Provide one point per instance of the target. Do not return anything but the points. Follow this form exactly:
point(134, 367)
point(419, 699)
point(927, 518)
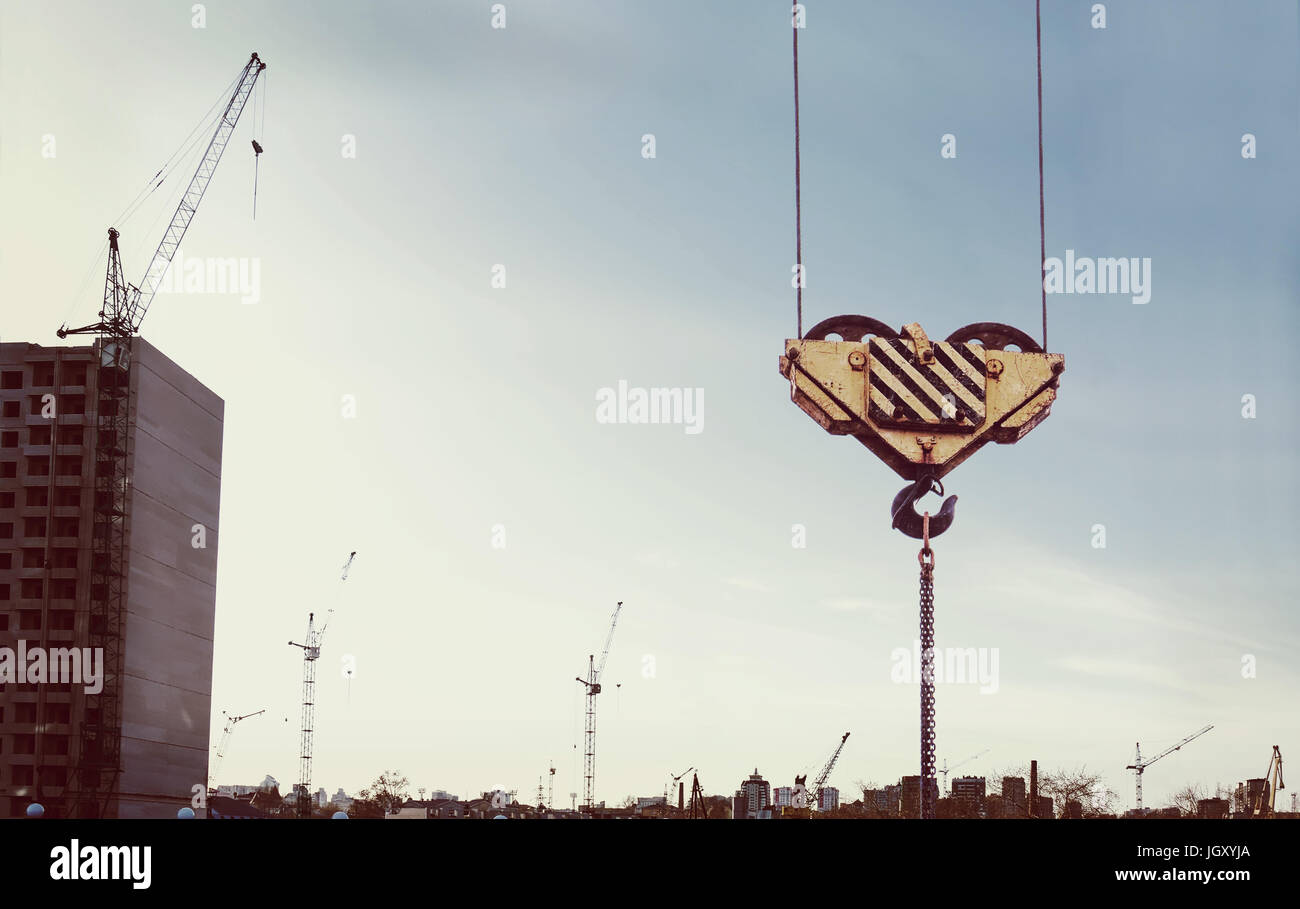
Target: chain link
point(928, 786)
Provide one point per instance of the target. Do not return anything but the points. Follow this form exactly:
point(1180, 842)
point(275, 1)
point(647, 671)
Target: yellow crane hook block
point(921, 406)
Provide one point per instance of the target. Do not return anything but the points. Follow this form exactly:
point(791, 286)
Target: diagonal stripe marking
point(959, 369)
point(976, 361)
point(971, 405)
point(920, 384)
point(906, 390)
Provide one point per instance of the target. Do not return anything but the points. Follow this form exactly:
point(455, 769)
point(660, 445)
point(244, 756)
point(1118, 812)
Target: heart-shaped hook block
point(921, 406)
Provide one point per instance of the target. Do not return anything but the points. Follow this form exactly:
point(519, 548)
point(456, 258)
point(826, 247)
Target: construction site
point(481, 584)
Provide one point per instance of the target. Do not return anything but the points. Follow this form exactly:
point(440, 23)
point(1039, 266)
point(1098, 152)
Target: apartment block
point(52, 448)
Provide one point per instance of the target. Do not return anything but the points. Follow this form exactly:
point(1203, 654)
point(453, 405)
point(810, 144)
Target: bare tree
point(1185, 799)
point(1077, 785)
point(1063, 786)
point(384, 796)
point(993, 786)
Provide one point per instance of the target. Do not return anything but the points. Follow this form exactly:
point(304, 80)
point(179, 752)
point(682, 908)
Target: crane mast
point(310, 654)
point(592, 684)
point(93, 783)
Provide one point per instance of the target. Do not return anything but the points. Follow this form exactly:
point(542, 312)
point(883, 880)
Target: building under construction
point(138, 746)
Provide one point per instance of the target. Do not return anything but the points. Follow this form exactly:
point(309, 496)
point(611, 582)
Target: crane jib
point(125, 304)
point(194, 192)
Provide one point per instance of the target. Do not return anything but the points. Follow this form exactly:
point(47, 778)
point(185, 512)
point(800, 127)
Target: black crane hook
point(903, 511)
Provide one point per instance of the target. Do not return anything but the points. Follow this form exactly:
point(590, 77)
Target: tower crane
point(815, 791)
point(592, 685)
point(98, 763)
point(944, 770)
point(668, 787)
point(1274, 777)
point(125, 304)
point(225, 741)
point(1140, 765)
point(310, 654)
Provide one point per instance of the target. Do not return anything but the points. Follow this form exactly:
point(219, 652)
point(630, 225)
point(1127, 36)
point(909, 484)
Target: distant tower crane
point(94, 780)
point(592, 683)
point(1140, 765)
point(815, 790)
point(225, 741)
point(671, 784)
point(946, 768)
point(310, 654)
point(1274, 777)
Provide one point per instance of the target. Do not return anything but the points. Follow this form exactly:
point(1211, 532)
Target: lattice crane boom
point(815, 791)
point(609, 640)
point(125, 304)
point(225, 742)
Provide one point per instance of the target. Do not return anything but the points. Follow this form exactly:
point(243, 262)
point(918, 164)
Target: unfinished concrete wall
point(171, 603)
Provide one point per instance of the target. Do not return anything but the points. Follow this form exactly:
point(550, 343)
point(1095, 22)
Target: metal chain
point(929, 788)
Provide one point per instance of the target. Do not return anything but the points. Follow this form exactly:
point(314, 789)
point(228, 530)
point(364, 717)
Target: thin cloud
point(866, 605)
point(747, 584)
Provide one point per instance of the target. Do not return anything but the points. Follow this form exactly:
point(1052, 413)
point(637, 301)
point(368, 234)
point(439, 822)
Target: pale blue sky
point(477, 406)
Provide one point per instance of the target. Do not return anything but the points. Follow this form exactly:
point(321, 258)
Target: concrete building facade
point(828, 799)
point(969, 789)
point(910, 795)
point(753, 798)
point(1014, 800)
point(48, 453)
point(1213, 808)
point(883, 801)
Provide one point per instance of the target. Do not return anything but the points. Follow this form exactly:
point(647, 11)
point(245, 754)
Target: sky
point(382, 395)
